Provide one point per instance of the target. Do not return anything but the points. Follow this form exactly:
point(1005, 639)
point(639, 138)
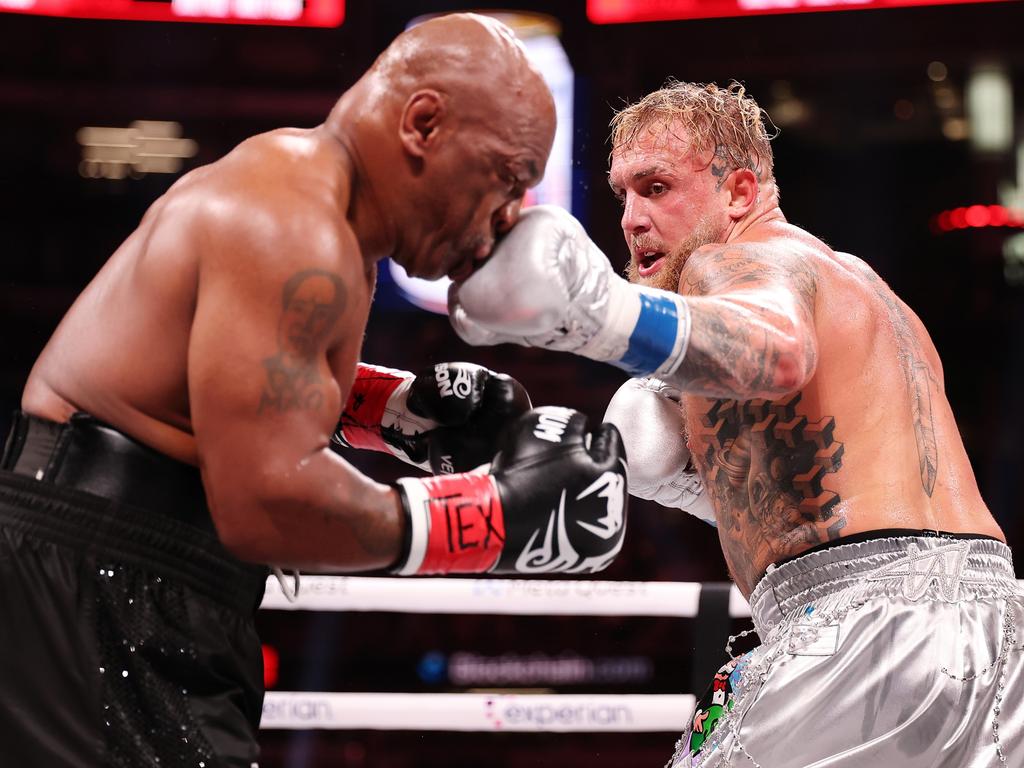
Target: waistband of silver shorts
point(916, 567)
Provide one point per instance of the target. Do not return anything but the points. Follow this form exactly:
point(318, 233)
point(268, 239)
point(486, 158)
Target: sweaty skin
point(225, 331)
point(814, 403)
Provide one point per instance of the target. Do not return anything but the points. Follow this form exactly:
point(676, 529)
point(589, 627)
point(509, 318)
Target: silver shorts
point(901, 652)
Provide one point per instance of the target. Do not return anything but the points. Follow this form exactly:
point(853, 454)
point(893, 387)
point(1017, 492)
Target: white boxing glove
point(547, 285)
point(647, 413)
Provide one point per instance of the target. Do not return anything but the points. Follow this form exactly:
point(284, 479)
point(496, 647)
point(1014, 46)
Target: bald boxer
point(810, 400)
point(176, 431)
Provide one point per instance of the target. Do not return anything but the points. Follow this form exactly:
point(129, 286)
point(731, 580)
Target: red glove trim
point(464, 520)
point(360, 421)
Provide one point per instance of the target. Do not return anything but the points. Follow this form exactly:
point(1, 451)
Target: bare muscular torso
point(122, 351)
point(869, 443)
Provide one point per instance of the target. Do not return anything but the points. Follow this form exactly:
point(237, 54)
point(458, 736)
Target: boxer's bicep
point(752, 316)
point(263, 396)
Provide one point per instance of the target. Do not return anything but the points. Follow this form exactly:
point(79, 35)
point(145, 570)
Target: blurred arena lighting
point(955, 128)
point(786, 109)
point(1013, 260)
point(271, 665)
point(989, 104)
point(298, 13)
point(977, 216)
point(146, 146)
point(539, 34)
point(284, 10)
point(628, 11)
point(937, 71)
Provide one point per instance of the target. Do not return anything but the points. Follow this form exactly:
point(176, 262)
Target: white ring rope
point(560, 713)
point(534, 597)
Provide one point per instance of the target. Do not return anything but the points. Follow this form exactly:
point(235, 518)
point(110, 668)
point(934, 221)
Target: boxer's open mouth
point(649, 262)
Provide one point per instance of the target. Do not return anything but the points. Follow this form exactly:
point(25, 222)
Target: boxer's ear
point(422, 116)
point(742, 186)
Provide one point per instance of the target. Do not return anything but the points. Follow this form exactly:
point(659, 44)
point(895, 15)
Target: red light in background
point(976, 216)
point(271, 660)
point(627, 11)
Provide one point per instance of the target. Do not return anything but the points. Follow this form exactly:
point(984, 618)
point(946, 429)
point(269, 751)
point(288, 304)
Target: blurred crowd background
point(900, 140)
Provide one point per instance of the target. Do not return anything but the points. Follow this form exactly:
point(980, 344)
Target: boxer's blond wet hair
point(723, 120)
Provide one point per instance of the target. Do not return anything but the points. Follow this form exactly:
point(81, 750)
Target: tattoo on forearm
point(312, 302)
point(765, 465)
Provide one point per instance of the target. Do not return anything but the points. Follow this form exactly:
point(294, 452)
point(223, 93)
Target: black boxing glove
point(446, 419)
point(554, 501)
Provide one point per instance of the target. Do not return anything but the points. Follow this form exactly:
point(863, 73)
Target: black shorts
point(126, 634)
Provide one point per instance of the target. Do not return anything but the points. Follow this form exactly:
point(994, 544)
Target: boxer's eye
point(657, 188)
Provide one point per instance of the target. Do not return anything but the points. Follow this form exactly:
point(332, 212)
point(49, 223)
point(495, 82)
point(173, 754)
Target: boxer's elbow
point(794, 368)
point(793, 361)
point(248, 515)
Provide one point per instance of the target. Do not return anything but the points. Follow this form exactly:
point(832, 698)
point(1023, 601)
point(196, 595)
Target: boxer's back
point(121, 351)
point(869, 443)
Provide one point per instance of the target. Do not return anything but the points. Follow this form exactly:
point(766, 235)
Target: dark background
point(853, 171)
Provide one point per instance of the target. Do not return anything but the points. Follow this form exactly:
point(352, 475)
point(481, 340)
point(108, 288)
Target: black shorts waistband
point(86, 486)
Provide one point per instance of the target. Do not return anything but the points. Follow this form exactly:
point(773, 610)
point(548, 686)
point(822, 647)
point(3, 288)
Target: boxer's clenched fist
point(554, 501)
point(447, 418)
point(547, 285)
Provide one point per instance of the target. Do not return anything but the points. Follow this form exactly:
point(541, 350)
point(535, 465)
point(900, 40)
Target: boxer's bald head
point(474, 122)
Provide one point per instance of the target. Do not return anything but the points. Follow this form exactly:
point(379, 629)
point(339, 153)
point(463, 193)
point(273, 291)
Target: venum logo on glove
point(556, 553)
point(460, 386)
point(552, 423)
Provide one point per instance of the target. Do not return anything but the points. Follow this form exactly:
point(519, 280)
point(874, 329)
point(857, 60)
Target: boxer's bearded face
point(666, 276)
point(671, 206)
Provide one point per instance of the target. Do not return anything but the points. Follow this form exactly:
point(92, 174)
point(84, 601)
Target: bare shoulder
point(275, 198)
point(769, 264)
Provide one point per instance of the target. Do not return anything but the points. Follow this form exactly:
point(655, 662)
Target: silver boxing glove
point(648, 415)
point(547, 285)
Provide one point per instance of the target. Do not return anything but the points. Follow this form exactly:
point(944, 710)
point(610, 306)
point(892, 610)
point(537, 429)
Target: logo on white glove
point(460, 387)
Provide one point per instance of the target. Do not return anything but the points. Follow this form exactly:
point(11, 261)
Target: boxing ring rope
point(495, 712)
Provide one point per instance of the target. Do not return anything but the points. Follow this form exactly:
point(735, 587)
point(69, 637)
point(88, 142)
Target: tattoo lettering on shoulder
point(312, 301)
point(766, 467)
point(920, 383)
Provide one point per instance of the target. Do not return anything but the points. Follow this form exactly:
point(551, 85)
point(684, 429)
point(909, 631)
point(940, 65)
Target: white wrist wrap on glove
point(547, 285)
point(647, 413)
point(419, 525)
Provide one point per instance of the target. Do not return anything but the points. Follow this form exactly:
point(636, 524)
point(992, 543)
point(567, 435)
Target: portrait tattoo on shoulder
point(312, 301)
point(767, 467)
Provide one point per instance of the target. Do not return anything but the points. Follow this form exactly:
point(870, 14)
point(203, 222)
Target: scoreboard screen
point(296, 13)
point(623, 11)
